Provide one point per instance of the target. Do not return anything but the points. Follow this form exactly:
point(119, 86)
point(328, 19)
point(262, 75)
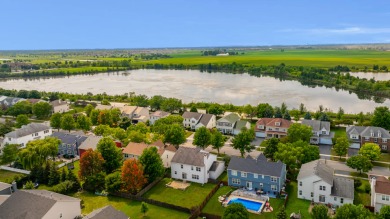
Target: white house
point(136, 113)
point(227, 123)
point(157, 115)
point(27, 133)
point(192, 120)
point(195, 165)
point(317, 183)
point(40, 204)
point(321, 131)
point(380, 192)
point(6, 102)
point(59, 106)
point(239, 125)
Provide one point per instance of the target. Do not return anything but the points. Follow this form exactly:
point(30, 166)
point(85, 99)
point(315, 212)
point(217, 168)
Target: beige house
point(60, 106)
point(136, 114)
point(157, 115)
point(380, 192)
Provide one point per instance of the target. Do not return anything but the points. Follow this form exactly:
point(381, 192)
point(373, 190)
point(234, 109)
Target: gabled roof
point(141, 111)
point(190, 115)
point(232, 117)
point(106, 212)
point(240, 124)
point(58, 103)
point(206, 119)
point(170, 148)
point(4, 186)
point(190, 156)
point(135, 148)
point(27, 130)
point(260, 165)
point(90, 143)
point(67, 138)
point(284, 123)
point(160, 113)
point(10, 101)
point(365, 131)
point(30, 204)
point(343, 187)
point(128, 109)
point(318, 168)
point(382, 185)
point(316, 125)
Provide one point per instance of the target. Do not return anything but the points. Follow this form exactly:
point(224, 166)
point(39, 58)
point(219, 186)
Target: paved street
point(342, 168)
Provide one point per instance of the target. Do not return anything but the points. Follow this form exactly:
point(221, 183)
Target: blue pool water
point(250, 205)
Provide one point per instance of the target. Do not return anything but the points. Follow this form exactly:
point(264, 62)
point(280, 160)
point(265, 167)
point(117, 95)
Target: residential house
point(69, 143)
point(321, 131)
point(39, 204)
point(103, 107)
point(193, 120)
point(6, 190)
point(195, 165)
point(157, 115)
point(380, 192)
point(318, 183)
point(226, 124)
point(166, 152)
point(359, 135)
point(136, 113)
point(89, 143)
point(106, 213)
point(272, 127)
point(59, 106)
point(240, 124)
point(27, 133)
point(7, 102)
point(34, 101)
point(133, 150)
point(258, 174)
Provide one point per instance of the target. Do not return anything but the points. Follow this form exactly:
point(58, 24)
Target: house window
point(261, 185)
point(198, 169)
point(321, 198)
point(273, 188)
point(192, 168)
point(274, 179)
point(175, 172)
point(233, 172)
point(195, 176)
point(277, 123)
point(262, 176)
point(384, 147)
point(311, 194)
point(243, 174)
point(9, 139)
point(300, 192)
point(335, 198)
point(300, 183)
point(276, 129)
point(324, 132)
point(69, 151)
point(255, 176)
point(375, 140)
point(341, 200)
point(36, 134)
point(167, 155)
point(323, 188)
point(372, 134)
point(236, 181)
point(384, 140)
point(261, 127)
point(181, 166)
point(385, 198)
point(367, 138)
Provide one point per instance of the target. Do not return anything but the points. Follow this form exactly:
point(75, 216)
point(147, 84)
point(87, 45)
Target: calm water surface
point(368, 75)
point(238, 89)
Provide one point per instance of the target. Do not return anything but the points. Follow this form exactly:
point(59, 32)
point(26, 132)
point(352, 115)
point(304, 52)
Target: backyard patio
point(182, 185)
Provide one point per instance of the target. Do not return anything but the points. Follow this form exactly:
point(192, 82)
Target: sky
point(94, 24)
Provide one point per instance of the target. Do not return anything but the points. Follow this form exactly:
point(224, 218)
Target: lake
point(368, 75)
point(193, 85)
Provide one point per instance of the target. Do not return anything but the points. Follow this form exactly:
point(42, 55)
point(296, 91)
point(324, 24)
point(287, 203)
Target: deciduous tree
point(298, 132)
point(152, 163)
point(242, 141)
point(202, 137)
point(381, 117)
point(348, 211)
point(67, 122)
point(83, 123)
point(42, 110)
point(174, 135)
point(271, 147)
point(360, 163)
point(144, 208)
point(319, 212)
point(9, 154)
point(21, 120)
point(171, 105)
point(91, 163)
point(370, 150)
point(133, 176)
point(217, 140)
point(110, 153)
point(235, 211)
point(341, 146)
point(55, 121)
point(113, 182)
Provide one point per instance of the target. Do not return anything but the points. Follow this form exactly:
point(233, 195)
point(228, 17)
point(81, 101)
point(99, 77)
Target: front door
point(184, 175)
point(249, 185)
point(321, 198)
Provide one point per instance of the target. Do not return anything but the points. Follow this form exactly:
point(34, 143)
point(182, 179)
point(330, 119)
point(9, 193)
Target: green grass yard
point(192, 196)
point(339, 132)
point(361, 196)
point(8, 176)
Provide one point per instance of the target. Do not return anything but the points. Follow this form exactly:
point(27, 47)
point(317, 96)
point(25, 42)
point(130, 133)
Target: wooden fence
point(147, 188)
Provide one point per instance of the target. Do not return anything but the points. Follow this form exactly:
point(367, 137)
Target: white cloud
point(340, 31)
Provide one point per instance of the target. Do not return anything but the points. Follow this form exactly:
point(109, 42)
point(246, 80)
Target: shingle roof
point(135, 148)
point(103, 107)
point(69, 138)
point(106, 212)
point(365, 131)
point(58, 103)
point(206, 119)
point(10, 101)
point(240, 124)
point(27, 130)
point(128, 109)
point(316, 125)
point(190, 156)
point(343, 187)
point(30, 204)
point(232, 117)
point(190, 115)
point(4, 186)
point(284, 123)
point(319, 168)
point(260, 165)
point(382, 185)
point(90, 142)
point(160, 114)
point(215, 165)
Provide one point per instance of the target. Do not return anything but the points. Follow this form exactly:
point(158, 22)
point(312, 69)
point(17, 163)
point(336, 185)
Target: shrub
point(65, 187)
point(28, 185)
point(357, 183)
point(367, 188)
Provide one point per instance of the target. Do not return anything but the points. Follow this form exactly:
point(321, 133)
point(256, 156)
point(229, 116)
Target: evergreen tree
point(54, 176)
point(307, 116)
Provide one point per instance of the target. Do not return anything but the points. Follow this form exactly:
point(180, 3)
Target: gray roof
point(106, 213)
point(343, 187)
point(240, 124)
point(55, 103)
point(316, 125)
point(4, 186)
point(260, 165)
point(215, 165)
point(232, 117)
point(365, 131)
point(190, 115)
point(10, 101)
point(190, 156)
point(90, 142)
point(67, 138)
point(27, 130)
point(160, 113)
point(30, 204)
point(319, 168)
point(206, 119)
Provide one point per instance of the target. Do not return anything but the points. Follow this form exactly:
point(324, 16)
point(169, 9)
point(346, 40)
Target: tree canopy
point(202, 137)
point(91, 163)
point(360, 163)
point(152, 163)
point(242, 141)
point(110, 153)
point(370, 150)
point(298, 132)
point(235, 211)
point(133, 176)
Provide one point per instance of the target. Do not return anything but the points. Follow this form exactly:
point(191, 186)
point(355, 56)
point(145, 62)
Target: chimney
point(14, 186)
point(373, 195)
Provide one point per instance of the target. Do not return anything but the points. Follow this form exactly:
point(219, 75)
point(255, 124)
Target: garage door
point(355, 145)
point(260, 134)
point(327, 141)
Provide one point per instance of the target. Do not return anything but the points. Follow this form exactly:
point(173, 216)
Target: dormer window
point(379, 134)
point(277, 123)
point(372, 134)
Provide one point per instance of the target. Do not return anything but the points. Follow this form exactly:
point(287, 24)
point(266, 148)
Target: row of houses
point(58, 106)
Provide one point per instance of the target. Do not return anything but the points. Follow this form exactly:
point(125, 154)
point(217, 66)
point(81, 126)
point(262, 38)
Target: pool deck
point(226, 202)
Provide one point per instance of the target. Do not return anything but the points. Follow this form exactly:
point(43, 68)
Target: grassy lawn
point(192, 196)
point(8, 176)
point(385, 157)
point(129, 207)
point(294, 204)
point(339, 131)
point(189, 133)
point(78, 109)
point(76, 168)
point(214, 206)
point(361, 196)
point(223, 176)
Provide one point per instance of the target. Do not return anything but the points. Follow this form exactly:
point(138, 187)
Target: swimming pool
point(250, 205)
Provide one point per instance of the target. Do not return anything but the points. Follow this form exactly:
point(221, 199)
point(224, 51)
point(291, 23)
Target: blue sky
point(90, 24)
